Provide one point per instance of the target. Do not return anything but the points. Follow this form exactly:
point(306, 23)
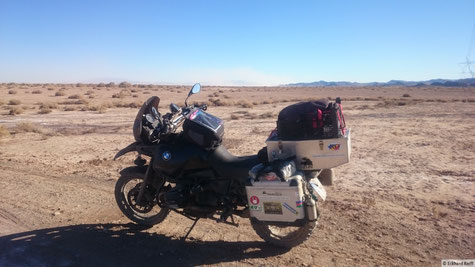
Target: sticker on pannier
point(273, 208)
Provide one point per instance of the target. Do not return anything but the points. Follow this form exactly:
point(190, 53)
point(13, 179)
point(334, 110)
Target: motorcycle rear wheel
point(126, 191)
point(285, 236)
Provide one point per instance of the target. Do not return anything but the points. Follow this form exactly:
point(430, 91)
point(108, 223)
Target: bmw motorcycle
point(186, 169)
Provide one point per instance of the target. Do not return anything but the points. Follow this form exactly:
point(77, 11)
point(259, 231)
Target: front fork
point(146, 179)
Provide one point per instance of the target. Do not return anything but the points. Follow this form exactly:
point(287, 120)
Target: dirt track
point(406, 198)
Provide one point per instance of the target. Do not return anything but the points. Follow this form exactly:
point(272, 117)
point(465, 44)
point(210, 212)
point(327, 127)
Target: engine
point(208, 193)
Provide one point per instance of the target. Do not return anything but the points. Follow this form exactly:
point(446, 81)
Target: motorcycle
point(200, 182)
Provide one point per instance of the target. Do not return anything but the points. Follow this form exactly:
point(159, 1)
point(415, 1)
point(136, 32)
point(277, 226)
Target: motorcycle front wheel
point(148, 212)
point(283, 236)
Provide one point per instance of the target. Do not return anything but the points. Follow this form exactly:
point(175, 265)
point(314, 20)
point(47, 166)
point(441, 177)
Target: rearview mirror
point(194, 90)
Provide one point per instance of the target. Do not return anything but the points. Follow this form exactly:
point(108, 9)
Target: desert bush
point(2, 103)
point(14, 102)
point(266, 115)
point(74, 97)
point(4, 132)
point(70, 108)
point(111, 84)
point(79, 85)
point(124, 85)
point(44, 111)
point(28, 127)
point(59, 93)
point(75, 102)
point(219, 103)
point(36, 92)
point(101, 85)
point(265, 102)
point(12, 92)
point(133, 90)
point(89, 92)
point(50, 88)
point(15, 111)
point(48, 105)
point(146, 93)
point(99, 108)
point(118, 104)
point(244, 104)
point(123, 93)
point(406, 95)
point(234, 117)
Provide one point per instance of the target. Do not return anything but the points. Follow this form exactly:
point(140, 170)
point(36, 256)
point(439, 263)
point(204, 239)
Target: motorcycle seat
point(229, 166)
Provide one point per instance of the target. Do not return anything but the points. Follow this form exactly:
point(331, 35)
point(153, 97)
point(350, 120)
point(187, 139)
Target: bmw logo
point(166, 155)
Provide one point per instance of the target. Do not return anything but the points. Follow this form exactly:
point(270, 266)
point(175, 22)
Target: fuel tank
point(173, 159)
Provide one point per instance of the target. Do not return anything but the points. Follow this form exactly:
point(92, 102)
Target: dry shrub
point(244, 104)
point(99, 108)
point(218, 102)
point(118, 104)
point(133, 90)
point(2, 103)
point(124, 85)
point(59, 93)
point(101, 85)
point(28, 127)
point(89, 92)
point(234, 117)
point(4, 131)
point(91, 96)
point(48, 105)
point(123, 93)
point(265, 102)
point(74, 97)
point(70, 108)
point(363, 107)
point(75, 102)
point(36, 92)
point(79, 85)
point(12, 92)
point(14, 102)
point(50, 88)
point(44, 111)
point(406, 95)
point(146, 93)
point(266, 115)
point(15, 111)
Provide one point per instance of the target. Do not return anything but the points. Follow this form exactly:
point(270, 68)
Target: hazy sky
point(233, 42)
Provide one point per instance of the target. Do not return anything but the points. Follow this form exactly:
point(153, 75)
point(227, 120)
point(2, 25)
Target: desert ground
point(406, 198)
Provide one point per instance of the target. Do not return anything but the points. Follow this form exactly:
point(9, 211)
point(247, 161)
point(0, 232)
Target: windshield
point(145, 109)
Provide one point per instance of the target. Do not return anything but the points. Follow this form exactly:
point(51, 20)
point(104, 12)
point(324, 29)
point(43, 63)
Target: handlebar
point(169, 122)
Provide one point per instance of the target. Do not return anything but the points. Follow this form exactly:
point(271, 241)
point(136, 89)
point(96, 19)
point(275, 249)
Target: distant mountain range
point(433, 82)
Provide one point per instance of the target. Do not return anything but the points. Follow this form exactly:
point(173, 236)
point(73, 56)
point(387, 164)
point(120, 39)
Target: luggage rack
point(312, 154)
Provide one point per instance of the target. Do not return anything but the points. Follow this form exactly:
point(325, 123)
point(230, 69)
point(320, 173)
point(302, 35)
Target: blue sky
point(233, 42)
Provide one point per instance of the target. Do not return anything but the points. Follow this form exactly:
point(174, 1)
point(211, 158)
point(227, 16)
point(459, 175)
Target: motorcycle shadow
point(120, 245)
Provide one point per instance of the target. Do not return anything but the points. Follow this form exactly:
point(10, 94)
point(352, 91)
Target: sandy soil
point(405, 199)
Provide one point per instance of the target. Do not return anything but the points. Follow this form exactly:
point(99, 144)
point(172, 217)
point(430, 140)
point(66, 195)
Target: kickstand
point(191, 228)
